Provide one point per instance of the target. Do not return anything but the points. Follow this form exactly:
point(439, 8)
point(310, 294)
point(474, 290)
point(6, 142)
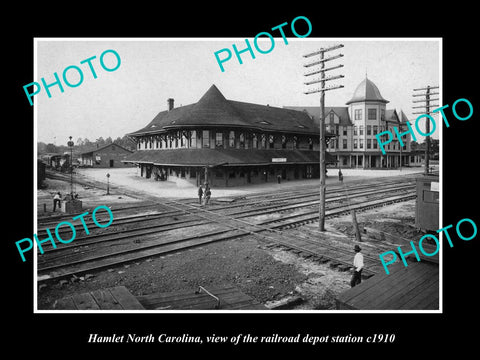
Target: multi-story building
point(356, 125)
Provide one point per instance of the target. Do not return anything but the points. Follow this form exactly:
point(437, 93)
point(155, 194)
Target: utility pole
point(427, 100)
point(321, 61)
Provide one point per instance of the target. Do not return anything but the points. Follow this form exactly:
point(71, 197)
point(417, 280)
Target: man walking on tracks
point(358, 267)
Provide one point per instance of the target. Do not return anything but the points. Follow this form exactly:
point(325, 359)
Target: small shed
point(107, 156)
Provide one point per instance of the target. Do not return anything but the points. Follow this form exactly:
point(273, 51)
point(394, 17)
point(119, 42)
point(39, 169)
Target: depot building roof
point(226, 157)
point(213, 109)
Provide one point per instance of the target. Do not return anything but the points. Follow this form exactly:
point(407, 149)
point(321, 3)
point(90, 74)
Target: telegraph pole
point(321, 61)
point(426, 99)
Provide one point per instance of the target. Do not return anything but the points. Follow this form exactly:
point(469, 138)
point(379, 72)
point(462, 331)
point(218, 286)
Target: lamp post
point(108, 184)
point(70, 145)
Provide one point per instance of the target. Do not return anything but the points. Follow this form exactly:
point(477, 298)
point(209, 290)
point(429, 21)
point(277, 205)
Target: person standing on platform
point(200, 194)
point(340, 176)
point(57, 200)
point(208, 193)
point(358, 267)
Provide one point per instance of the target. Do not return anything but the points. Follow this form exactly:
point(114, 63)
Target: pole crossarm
point(324, 79)
point(426, 94)
point(424, 100)
point(323, 60)
point(427, 88)
point(323, 89)
point(324, 50)
point(323, 70)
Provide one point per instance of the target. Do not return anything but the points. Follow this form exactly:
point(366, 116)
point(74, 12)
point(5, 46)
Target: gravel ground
point(244, 263)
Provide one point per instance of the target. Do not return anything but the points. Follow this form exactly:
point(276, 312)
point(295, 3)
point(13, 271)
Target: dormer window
point(264, 122)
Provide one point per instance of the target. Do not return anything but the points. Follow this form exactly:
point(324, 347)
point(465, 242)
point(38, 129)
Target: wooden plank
point(105, 300)
point(419, 289)
point(397, 291)
point(426, 297)
point(406, 288)
point(184, 299)
point(85, 301)
point(230, 298)
point(381, 291)
point(65, 303)
point(125, 298)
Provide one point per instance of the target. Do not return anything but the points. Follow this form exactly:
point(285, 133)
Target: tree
point(51, 148)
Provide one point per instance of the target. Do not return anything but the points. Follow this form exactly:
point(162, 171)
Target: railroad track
point(123, 245)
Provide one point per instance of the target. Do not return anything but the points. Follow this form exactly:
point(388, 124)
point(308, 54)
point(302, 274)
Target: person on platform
point(200, 194)
point(208, 193)
point(340, 176)
point(57, 200)
point(357, 267)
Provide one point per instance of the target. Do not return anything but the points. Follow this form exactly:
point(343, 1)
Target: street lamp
point(108, 184)
point(70, 145)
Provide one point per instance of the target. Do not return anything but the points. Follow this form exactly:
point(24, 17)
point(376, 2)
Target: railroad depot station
point(235, 143)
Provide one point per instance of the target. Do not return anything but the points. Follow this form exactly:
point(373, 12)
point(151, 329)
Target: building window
point(218, 140)
point(254, 141)
point(369, 143)
point(206, 138)
point(231, 138)
point(382, 114)
point(355, 130)
point(271, 141)
point(361, 143)
point(332, 117)
point(372, 114)
point(358, 114)
point(241, 140)
point(345, 131)
point(344, 143)
point(369, 129)
point(355, 143)
point(375, 144)
point(375, 129)
point(284, 142)
point(310, 143)
point(263, 141)
point(361, 129)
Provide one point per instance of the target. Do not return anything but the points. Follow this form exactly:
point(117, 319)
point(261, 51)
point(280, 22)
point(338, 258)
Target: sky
point(153, 70)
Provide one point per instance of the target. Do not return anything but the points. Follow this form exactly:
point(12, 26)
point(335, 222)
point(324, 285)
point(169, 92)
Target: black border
point(415, 333)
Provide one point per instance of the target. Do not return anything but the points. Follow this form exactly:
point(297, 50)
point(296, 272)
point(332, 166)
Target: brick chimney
point(170, 104)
